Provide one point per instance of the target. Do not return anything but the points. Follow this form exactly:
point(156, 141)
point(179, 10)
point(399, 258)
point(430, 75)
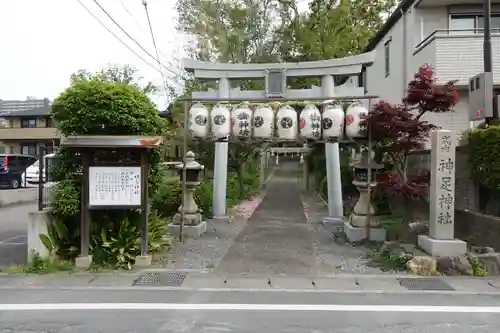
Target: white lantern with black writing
point(220, 121)
point(286, 122)
point(198, 125)
point(353, 117)
point(241, 122)
point(310, 122)
point(333, 121)
point(263, 122)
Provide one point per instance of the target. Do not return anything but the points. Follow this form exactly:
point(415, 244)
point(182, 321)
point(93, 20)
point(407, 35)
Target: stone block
point(458, 265)
point(422, 265)
point(83, 262)
point(442, 247)
point(143, 261)
point(355, 234)
point(337, 223)
point(193, 231)
point(37, 225)
point(491, 262)
point(221, 219)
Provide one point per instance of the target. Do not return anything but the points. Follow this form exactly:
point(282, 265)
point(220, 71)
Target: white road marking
point(249, 307)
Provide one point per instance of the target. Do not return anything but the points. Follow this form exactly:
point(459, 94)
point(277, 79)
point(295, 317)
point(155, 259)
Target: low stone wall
point(37, 225)
point(478, 229)
point(18, 196)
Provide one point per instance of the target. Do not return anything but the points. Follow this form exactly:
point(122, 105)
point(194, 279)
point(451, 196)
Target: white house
point(446, 35)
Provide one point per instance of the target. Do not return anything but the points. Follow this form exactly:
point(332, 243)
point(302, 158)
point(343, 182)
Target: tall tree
point(237, 31)
point(125, 74)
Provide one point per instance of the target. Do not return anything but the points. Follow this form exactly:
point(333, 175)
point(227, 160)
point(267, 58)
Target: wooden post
point(144, 202)
point(85, 213)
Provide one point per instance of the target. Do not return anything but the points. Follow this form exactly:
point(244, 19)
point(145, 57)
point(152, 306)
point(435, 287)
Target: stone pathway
point(279, 236)
point(207, 251)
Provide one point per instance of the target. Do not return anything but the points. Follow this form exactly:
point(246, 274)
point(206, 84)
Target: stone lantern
point(193, 224)
point(357, 227)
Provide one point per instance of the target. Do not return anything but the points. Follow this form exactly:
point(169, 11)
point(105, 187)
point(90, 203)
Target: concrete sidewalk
point(372, 284)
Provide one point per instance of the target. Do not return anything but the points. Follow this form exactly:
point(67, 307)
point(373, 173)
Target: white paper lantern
point(333, 122)
point(220, 121)
point(198, 125)
point(286, 121)
point(310, 122)
point(241, 122)
point(263, 122)
point(353, 118)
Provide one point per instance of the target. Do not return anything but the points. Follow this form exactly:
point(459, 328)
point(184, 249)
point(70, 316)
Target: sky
point(42, 42)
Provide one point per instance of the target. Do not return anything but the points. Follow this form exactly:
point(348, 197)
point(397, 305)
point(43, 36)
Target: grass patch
point(38, 265)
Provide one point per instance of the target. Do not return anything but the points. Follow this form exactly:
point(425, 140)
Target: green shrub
point(167, 199)
point(484, 156)
point(94, 106)
point(117, 244)
point(67, 195)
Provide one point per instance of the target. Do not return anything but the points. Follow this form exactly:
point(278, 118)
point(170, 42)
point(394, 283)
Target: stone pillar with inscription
point(441, 240)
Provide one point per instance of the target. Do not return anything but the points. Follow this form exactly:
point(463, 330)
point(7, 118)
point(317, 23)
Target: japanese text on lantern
point(445, 178)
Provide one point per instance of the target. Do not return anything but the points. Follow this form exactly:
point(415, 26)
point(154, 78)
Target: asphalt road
point(188, 311)
point(13, 233)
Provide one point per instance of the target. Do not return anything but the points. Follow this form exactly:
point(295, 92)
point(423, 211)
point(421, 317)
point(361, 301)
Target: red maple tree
point(397, 130)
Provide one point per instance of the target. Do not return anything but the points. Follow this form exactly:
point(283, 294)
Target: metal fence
point(45, 180)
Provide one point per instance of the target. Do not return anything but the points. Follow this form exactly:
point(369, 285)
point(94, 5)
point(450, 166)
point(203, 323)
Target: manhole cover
point(169, 279)
point(424, 284)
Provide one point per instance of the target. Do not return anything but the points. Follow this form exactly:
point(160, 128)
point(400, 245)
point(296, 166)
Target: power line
point(165, 58)
point(132, 38)
point(116, 37)
point(145, 4)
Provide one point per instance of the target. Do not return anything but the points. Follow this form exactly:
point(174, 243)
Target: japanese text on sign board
point(445, 181)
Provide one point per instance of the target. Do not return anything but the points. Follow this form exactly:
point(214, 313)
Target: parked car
point(12, 167)
point(33, 171)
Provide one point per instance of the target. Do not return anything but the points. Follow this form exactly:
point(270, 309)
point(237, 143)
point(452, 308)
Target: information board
point(114, 186)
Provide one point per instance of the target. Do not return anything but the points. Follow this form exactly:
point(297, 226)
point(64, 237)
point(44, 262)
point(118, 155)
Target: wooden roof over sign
point(111, 141)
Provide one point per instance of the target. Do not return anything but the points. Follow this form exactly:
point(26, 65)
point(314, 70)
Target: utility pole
point(487, 54)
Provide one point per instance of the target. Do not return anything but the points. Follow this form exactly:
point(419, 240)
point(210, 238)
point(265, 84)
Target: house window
point(387, 55)
point(495, 22)
point(28, 123)
point(49, 122)
point(28, 149)
point(473, 22)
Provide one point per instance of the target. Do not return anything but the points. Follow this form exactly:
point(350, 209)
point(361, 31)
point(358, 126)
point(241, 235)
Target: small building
point(444, 34)
point(27, 125)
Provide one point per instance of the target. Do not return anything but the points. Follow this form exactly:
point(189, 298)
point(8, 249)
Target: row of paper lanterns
point(244, 123)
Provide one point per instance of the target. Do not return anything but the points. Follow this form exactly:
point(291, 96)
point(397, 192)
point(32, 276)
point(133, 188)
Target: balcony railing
point(453, 33)
point(457, 54)
point(15, 133)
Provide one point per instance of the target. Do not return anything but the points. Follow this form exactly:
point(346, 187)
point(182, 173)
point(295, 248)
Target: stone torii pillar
point(333, 177)
point(275, 75)
point(219, 207)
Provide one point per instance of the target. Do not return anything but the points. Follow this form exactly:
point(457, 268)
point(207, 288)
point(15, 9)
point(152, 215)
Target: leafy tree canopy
point(125, 74)
point(94, 106)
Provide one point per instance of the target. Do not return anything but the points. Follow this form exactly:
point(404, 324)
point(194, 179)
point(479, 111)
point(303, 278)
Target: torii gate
point(275, 75)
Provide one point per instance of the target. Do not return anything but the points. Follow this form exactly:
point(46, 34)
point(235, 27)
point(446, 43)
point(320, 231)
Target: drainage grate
point(424, 284)
point(169, 279)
